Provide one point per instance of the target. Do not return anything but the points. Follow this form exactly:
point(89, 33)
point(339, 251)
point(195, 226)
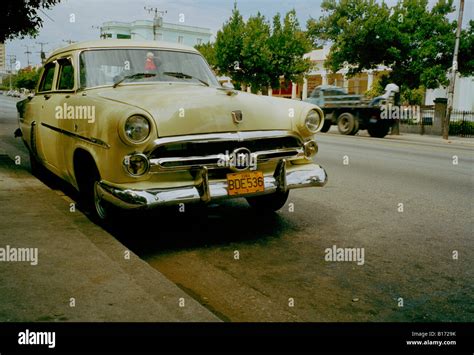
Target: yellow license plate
point(245, 183)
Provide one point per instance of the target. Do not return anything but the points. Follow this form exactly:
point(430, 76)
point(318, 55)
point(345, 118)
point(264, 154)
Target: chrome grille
point(206, 150)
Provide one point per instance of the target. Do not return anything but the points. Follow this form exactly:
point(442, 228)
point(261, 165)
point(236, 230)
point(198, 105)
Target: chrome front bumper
point(285, 177)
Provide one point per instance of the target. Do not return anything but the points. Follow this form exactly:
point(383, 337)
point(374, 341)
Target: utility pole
point(42, 53)
point(157, 19)
point(454, 70)
point(12, 59)
point(27, 52)
point(103, 35)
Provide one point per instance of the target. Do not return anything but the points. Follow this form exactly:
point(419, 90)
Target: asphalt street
point(407, 205)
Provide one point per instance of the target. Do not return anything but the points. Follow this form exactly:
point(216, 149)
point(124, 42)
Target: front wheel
point(326, 126)
point(99, 209)
point(269, 203)
point(347, 124)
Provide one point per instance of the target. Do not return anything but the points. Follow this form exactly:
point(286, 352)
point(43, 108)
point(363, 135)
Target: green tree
point(466, 51)
point(415, 42)
point(256, 53)
point(288, 44)
point(26, 78)
point(20, 18)
point(229, 45)
point(209, 52)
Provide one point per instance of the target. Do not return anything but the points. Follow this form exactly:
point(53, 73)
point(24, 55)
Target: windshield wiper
point(134, 76)
point(184, 76)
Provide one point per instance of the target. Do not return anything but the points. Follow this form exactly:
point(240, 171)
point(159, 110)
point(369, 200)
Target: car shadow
point(172, 228)
point(167, 229)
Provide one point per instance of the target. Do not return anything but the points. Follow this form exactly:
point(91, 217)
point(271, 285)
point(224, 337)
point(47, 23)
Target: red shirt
point(150, 64)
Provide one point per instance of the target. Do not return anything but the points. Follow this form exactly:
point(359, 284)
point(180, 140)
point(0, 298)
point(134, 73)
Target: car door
point(45, 130)
point(64, 103)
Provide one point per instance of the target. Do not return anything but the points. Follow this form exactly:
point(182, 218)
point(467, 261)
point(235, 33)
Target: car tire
point(378, 129)
point(99, 210)
point(347, 124)
point(269, 203)
point(326, 126)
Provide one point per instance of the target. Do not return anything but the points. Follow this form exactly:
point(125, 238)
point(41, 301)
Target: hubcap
point(344, 123)
point(98, 202)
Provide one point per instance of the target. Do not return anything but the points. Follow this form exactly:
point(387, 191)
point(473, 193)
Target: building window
point(199, 41)
point(180, 39)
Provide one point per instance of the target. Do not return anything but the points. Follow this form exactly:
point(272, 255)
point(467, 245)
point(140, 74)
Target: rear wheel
point(347, 124)
point(378, 129)
point(38, 170)
point(269, 203)
point(35, 166)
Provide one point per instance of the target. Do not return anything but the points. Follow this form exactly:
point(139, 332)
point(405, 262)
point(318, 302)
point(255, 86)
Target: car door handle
point(47, 96)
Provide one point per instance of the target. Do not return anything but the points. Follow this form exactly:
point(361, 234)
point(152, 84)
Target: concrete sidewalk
point(82, 273)
point(416, 138)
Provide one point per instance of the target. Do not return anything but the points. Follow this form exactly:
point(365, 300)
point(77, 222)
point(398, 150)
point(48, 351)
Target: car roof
point(121, 43)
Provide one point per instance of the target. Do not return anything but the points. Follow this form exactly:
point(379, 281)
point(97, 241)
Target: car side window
point(48, 76)
point(66, 75)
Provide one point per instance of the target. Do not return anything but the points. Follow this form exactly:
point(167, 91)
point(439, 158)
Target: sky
point(90, 14)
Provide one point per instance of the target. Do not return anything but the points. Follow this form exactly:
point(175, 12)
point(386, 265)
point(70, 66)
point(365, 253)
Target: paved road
point(410, 270)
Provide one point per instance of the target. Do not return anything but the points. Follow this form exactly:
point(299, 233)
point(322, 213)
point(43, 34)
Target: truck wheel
point(268, 203)
point(356, 127)
point(378, 129)
point(347, 124)
point(326, 126)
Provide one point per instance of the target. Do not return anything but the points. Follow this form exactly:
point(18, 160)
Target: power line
point(12, 59)
point(42, 53)
point(157, 19)
point(27, 52)
point(46, 15)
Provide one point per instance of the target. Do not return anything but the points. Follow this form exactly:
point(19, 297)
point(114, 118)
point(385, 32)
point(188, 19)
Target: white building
point(164, 31)
point(463, 94)
point(319, 75)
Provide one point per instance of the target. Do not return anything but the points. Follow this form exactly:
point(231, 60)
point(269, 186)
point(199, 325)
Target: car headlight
point(136, 164)
point(312, 121)
point(137, 128)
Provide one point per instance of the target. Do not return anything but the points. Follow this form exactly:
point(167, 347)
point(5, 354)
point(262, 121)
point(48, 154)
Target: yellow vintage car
point(136, 125)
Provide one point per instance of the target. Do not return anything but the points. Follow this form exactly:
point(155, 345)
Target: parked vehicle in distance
point(135, 125)
point(350, 113)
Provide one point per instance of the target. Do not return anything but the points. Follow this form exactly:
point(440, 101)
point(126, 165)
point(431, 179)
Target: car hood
point(181, 109)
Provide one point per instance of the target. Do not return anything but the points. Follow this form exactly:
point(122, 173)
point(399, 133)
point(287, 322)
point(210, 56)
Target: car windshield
point(109, 66)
